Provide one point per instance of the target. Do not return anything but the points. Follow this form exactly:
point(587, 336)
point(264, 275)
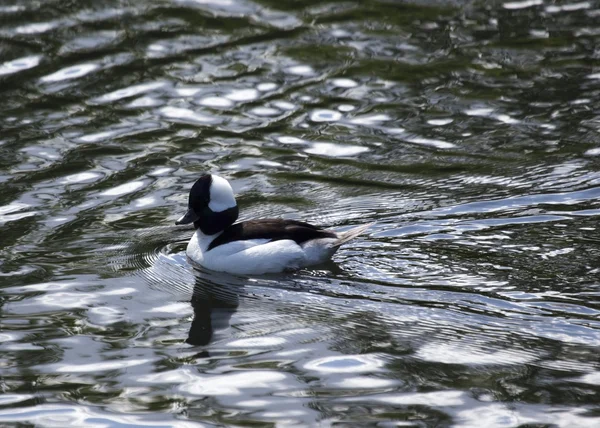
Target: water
point(467, 130)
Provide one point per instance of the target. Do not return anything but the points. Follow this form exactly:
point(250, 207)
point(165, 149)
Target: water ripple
point(72, 72)
point(468, 133)
point(20, 64)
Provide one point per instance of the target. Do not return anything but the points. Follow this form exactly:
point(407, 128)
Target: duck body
point(262, 246)
point(256, 246)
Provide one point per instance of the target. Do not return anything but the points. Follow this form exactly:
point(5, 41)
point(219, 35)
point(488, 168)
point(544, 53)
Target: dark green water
point(470, 131)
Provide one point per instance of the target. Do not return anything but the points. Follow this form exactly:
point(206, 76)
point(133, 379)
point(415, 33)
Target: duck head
point(211, 205)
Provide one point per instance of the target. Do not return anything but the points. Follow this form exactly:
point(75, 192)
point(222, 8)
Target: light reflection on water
point(468, 132)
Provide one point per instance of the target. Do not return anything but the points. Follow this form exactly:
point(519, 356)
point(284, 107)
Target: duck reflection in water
point(215, 298)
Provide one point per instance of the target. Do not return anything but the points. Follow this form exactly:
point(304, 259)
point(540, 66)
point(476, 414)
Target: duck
point(252, 247)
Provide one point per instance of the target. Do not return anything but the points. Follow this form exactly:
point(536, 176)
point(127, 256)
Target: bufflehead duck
point(252, 247)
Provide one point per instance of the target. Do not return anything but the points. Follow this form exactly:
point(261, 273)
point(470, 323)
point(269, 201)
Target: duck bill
point(189, 217)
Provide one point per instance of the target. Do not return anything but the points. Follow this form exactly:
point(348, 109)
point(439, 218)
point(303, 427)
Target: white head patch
point(221, 195)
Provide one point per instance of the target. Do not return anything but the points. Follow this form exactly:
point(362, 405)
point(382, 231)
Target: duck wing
point(273, 230)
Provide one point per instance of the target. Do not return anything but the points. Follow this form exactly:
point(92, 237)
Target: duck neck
point(211, 223)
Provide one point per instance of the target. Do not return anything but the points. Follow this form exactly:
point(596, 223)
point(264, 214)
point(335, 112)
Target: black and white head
point(211, 206)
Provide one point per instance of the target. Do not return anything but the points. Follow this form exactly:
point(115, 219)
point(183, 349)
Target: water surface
point(469, 131)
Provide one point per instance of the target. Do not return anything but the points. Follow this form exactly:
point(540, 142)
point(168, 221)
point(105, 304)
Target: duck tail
point(348, 235)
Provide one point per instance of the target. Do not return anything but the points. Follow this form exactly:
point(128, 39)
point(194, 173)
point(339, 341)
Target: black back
point(274, 229)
